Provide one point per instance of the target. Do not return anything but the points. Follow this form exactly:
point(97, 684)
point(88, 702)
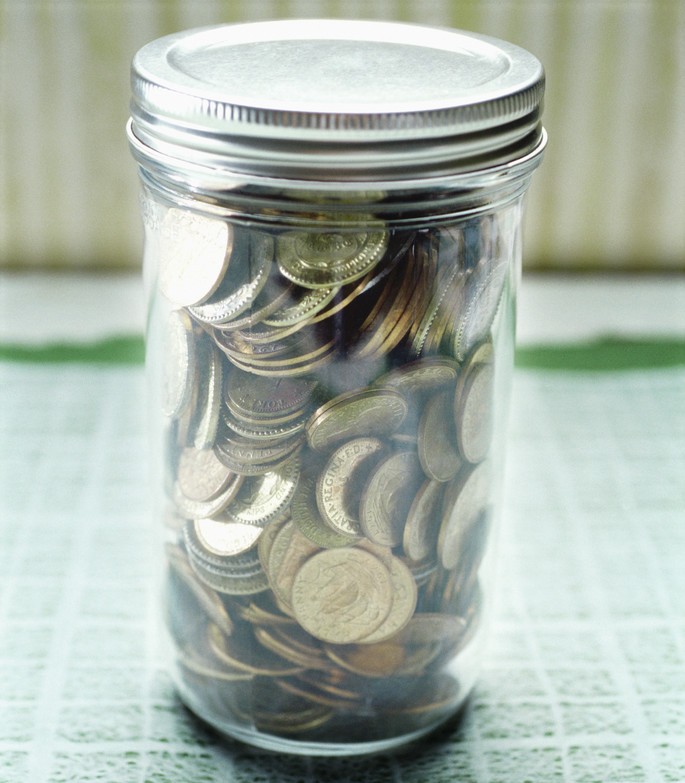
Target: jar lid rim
point(335, 82)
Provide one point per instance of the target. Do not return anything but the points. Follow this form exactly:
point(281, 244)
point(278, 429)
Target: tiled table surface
point(584, 679)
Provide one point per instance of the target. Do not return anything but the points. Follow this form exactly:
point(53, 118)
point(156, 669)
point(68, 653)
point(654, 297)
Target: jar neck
point(223, 191)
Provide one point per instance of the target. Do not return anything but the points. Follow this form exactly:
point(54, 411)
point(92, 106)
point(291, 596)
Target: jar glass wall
point(331, 289)
point(330, 390)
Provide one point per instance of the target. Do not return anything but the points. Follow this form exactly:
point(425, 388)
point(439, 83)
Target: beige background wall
point(610, 194)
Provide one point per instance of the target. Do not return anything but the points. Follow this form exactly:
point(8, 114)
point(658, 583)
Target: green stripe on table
point(113, 350)
point(605, 354)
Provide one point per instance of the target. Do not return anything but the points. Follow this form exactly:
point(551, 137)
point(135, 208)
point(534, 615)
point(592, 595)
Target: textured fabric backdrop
point(610, 194)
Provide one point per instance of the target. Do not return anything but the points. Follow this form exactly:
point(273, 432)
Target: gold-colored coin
point(294, 644)
point(407, 653)
point(404, 598)
point(312, 692)
point(307, 518)
point(238, 652)
point(179, 370)
point(194, 251)
point(302, 306)
point(208, 667)
point(338, 485)
point(437, 450)
point(269, 533)
point(342, 595)
point(201, 475)
point(321, 259)
point(387, 495)
point(289, 550)
point(299, 721)
point(420, 376)
point(465, 499)
point(474, 412)
point(420, 531)
point(366, 412)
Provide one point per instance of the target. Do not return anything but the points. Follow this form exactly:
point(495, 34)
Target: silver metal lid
point(335, 99)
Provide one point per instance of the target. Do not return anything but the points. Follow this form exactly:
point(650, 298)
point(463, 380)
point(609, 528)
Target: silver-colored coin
point(465, 500)
point(195, 509)
point(474, 412)
point(242, 288)
point(262, 498)
point(483, 293)
point(226, 538)
point(437, 449)
point(201, 475)
point(194, 251)
point(356, 414)
point(178, 364)
point(206, 420)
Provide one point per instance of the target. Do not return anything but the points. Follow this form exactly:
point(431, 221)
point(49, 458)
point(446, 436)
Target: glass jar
point(332, 220)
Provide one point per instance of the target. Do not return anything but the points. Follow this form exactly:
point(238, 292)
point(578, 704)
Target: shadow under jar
point(332, 220)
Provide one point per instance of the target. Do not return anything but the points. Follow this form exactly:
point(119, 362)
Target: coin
point(194, 509)
point(226, 538)
point(437, 451)
point(206, 421)
point(420, 376)
point(465, 499)
point(178, 363)
point(408, 652)
point(201, 476)
point(303, 304)
point(206, 599)
point(337, 488)
point(307, 518)
point(252, 458)
point(237, 652)
point(227, 583)
point(342, 595)
point(353, 414)
point(289, 550)
point(483, 293)
point(293, 644)
point(474, 412)
point(262, 498)
point(404, 597)
point(387, 495)
point(256, 397)
point(320, 259)
point(423, 518)
point(194, 251)
point(239, 290)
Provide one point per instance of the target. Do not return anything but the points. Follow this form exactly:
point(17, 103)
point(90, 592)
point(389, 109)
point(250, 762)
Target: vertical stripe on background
point(23, 192)
point(610, 193)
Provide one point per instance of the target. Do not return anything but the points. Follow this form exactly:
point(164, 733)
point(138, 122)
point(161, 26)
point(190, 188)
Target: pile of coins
point(328, 393)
